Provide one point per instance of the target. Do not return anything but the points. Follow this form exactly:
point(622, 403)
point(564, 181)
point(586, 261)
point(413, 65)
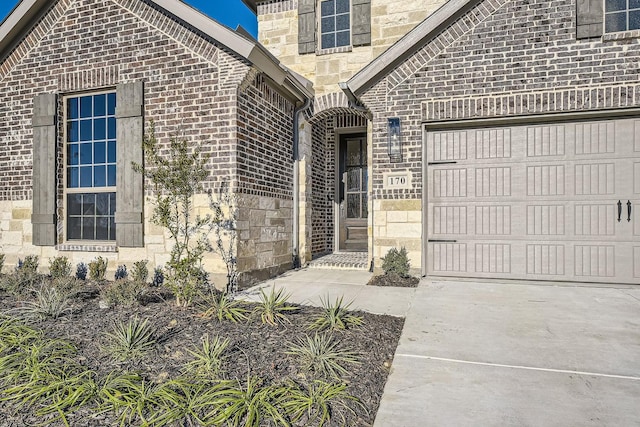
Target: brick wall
point(321, 187)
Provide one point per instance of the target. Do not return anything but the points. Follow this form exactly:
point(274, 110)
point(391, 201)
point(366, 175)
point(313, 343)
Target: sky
point(228, 12)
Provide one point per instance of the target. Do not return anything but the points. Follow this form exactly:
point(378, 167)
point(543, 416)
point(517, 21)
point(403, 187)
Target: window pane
point(89, 204)
point(353, 179)
point(73, 177)
point(86, 154)
point(99, 176)
point(327, 8)
point(102, 204)
point(613, 5)
point(328, 24)
point(615, 22)
point(74, 232)
point(343, 38)
point(353, 205)
point(112, 229)
point(86, 176)
point(342, 22)
point(102, 228)
point(634, 20)
point(99, 129)
point(85, 130)
point(111, 175)
point(634, 4)
point(111, 153)
point(111, 104)
point(328, 41)
point(111, 124)
point(72, 108)
point(86, 109)
point(100, 152)
point(73, 131)
point(88, 228)
point(365, 209)
point(99, 105)
point(74, 204)
point(112, 203)
point(73, 154)
point(342, 6)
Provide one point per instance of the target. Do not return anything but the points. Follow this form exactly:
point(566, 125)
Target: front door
point(353, 182)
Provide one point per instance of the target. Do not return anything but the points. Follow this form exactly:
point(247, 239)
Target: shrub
point(124, 292)
point(59, 267)
point(208, 359)
point(158, 277)
point(321, 356)
point(335, 316)
point(97, 269)
point(29, 266)
point(396, 262)
point(272, 307)
point(319, 403)
point(140, 272)
point(222, 306)
point(26, 276)
point(81, 271)
point(49, 303)
point(121, 273)
point(130, 340)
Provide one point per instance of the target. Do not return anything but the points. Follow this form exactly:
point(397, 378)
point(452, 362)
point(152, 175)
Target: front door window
point(356, 178)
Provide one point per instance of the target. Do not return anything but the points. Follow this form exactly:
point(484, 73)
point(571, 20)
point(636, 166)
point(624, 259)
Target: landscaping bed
point(257, 355)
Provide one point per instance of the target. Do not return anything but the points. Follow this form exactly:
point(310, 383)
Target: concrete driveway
point(509, 354)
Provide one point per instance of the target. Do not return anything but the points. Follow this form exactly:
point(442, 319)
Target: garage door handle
point(619, 210)
point(441, 241)
point(441, 163)
point(628, 210)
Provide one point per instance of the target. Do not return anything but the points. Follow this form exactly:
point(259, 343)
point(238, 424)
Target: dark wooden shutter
point(306, 26)
point(43, 217)
point(129, 184)
point(361, 23)
point(589, 17)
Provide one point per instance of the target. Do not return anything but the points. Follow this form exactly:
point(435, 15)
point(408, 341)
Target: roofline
point(25, 13)
point(251, 4)
point(408, 44)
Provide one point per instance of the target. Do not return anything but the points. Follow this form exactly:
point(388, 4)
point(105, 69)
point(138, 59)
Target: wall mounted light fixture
point(395, 138)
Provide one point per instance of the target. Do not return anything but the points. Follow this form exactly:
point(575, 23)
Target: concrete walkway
point(499, 354)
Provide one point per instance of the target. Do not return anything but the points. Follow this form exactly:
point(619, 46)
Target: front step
point(342, 261)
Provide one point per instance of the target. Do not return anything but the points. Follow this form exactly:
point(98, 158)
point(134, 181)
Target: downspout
point(296, 182)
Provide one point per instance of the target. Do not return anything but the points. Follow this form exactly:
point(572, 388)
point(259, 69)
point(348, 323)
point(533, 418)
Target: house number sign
point(397, 180)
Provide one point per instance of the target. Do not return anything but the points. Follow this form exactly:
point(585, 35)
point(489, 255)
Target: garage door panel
point(535, 202)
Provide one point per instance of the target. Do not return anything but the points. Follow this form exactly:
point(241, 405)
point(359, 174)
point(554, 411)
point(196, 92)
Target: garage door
point(542, 202)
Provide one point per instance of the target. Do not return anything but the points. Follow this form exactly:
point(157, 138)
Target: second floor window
point(621, 15)
point(335, 23)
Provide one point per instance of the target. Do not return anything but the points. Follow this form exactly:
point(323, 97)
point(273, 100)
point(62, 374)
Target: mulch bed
point(254, 348)
point(393, 279)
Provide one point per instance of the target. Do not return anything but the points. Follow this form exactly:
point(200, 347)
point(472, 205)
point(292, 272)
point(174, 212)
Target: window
point(335, 23)
point(621, 15)
point(90, 163)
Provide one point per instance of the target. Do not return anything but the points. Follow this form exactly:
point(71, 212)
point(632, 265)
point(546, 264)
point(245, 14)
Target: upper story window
point(335, 23)
point(90, 161)
point(621, 15)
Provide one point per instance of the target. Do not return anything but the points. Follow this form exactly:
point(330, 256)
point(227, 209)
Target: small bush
point(396, 262)
point(319, 402)
point(26, 277)
point(221, 306)
point(208, 358)
point(97, 269)
point(140, 272)
point(59, 267)
point(29, 266)
point(124, 292)
point(322, 357)
point(121, 273)
point(272, 307)
point(335, 316)
point(131, 340)
point(81, 271)
point(49, 303)
point(158, 277)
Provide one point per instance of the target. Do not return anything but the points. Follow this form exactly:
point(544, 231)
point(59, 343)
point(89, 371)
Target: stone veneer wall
point(192, 90)
point(500, 59)
point(390, 20)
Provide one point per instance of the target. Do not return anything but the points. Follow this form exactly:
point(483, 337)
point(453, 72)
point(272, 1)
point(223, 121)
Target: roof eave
point(251, 4)
point(403, 48)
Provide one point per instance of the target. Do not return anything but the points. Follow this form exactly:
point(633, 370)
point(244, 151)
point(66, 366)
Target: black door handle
point(628, 210)
point(619, 210)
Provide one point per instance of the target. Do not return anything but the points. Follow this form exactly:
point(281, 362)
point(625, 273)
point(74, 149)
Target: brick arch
point(332, 104)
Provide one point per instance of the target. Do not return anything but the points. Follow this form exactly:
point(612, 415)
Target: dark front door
point(353, 193)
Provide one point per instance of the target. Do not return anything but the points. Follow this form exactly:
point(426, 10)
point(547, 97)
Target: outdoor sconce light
point(395, 140)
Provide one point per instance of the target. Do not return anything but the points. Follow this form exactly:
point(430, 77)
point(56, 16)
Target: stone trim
point(623, 35)
point(16, 195)
point(331, 104)
point(526, 103)
point(89, 79)
point(263, 191)
point(86, 248)
point(276, 6)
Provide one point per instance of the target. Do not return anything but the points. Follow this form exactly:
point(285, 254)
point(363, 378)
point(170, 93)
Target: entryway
point(352, 181)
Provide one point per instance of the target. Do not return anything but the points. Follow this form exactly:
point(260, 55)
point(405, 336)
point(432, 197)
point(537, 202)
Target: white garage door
point(541, 202)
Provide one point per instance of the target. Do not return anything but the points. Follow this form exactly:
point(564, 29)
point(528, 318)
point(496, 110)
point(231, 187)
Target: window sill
point(87, 247)
point(622, 35)
point(340, 49)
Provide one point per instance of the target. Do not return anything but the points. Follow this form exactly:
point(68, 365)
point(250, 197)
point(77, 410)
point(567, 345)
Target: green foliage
point(124, 292)
point(272, 308)
point(29, 266)
point(396, 262)
point(140, 271)
point(97, 269)
point(335, 316)
point(130, 340)
point(321, 355)
point(208, 358)
point(222, 306)
point(49, 303)
point(319, 402)
point(59, 267)
point(177, 176)
point(132, 399)
point(225, 215)
point(81, 271)
point(26, 277)
point(121, 273)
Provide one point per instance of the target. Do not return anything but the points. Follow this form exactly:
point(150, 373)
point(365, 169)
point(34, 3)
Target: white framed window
point(90, 166)
point(621, 15)
point(335, 23)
